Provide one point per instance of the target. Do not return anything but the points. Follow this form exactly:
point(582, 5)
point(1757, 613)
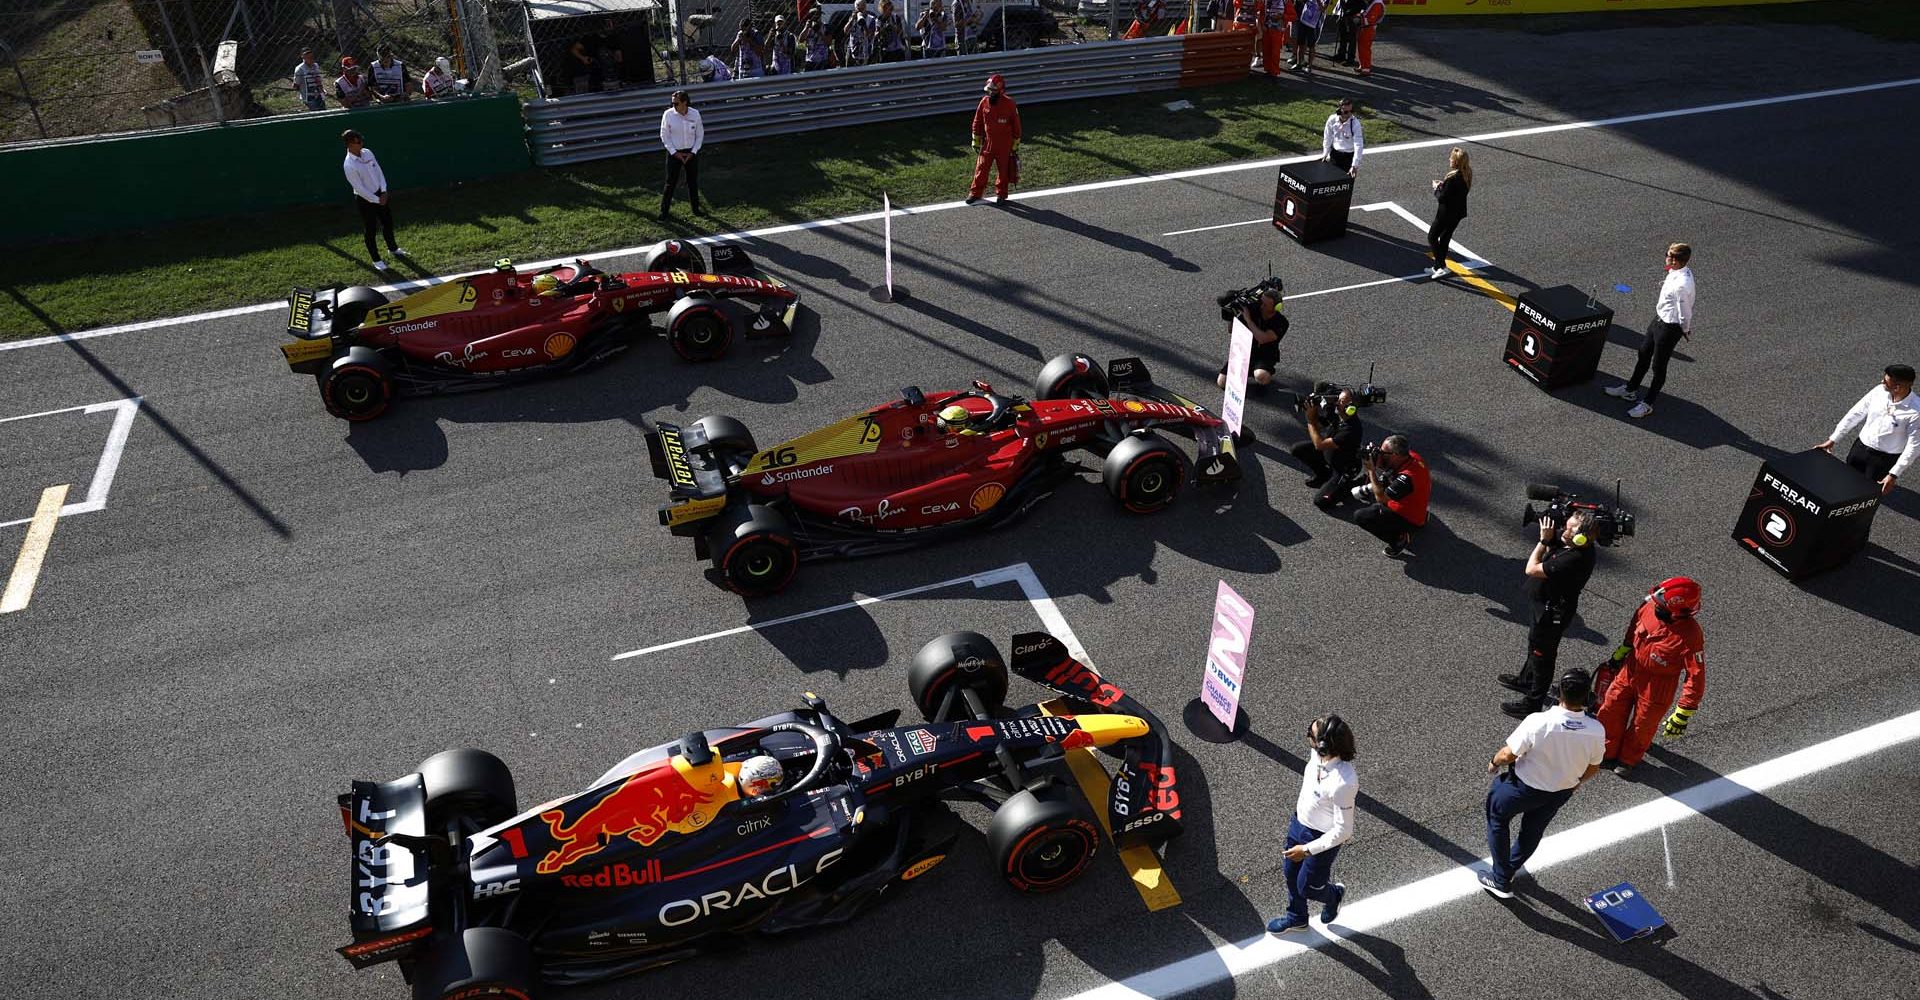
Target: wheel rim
point(760, 564)
point(1053, 857)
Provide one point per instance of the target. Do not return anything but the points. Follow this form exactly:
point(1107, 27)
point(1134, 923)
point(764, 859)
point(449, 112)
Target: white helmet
point(760, 775)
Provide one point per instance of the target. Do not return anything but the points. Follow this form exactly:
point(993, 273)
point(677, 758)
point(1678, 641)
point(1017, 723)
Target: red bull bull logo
point(644, 808)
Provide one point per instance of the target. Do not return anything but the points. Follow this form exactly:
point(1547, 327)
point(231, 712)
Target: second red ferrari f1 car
point(506, 324)
point(925, 465)
point(792, 821)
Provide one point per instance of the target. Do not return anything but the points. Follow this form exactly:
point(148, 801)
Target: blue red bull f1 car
point(673, 849)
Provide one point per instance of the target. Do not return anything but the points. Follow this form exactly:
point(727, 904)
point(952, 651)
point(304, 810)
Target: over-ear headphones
point(1330, 725)
point(1579, 538)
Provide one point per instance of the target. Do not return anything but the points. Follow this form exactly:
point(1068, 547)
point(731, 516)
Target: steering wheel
point(823, 750)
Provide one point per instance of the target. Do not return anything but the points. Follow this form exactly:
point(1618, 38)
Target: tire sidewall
point(337, 382)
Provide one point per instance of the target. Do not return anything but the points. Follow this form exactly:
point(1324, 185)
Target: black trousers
point(1662, 337)
point(1317, 462)
point(1543, 650)
point(673, 181)
point(372, 215)
point(1382, 523)
point(1872, 464)
point(1343, 159)
point(1440, 236)
point(1343, 50)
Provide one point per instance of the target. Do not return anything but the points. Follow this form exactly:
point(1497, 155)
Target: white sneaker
point(1438, 273)
point(380, 265)
point(401, 252)
point(1622, 391)
point(1640, 409)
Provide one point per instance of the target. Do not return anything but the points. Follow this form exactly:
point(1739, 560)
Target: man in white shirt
point(682, 135)
point(1672, 320)
point(310, 82)
point(1889, 426)
point(1549, 755)
point(1322, 821)
point(369, 184)
point(1342, 140)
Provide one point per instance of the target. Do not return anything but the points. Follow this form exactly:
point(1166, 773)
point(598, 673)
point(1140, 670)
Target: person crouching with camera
point(1332, 449)
point(1557, 570)
point(1261, 309)
point(1399, 485)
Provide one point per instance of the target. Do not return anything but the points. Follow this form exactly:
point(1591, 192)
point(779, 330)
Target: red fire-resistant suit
point(1659, 652)
point(1273, 37)
point(996, 130)
point(1369, 24)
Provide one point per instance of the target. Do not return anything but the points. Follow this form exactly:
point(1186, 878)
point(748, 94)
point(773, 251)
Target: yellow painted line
point(33, 552)
point(1142, 865)
point(1485, 287)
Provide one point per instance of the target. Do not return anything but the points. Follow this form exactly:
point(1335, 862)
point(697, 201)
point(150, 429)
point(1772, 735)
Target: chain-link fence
point(86, 67)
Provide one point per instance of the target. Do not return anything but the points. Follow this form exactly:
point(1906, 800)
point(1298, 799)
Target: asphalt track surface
point(271, 603)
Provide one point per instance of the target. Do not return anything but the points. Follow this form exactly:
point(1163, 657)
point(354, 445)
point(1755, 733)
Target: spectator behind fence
point(351, 89)
point(609, 54)
point(369, 185)
point(715, 71)
point(779, 48)
point(966, 26)
point(893, 34)
point(748, 52)
point(682, 134)
point(814, 40)
point(310, 82)
point(933, 28)
point(863, 31)
point(439, 82)
point(390, 82)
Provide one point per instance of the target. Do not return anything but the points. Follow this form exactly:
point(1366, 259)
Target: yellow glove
point(976, 142)
point(1620, 652)
point(1016, 146)
point(1677, 723)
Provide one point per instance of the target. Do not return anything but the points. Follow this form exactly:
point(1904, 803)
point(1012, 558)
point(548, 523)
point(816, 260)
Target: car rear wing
point(1219, 458)
point(1143, 806)
point(389, 901)
point(310, 319)
point(696, 483)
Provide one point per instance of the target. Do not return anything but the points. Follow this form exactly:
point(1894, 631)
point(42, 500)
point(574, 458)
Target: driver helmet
point(546, 284)
point(760, 775)
point(954, 418)
point(504, 264)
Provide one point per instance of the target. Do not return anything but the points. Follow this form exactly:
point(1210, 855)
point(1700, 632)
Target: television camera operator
point(1557, 570)
point(1399, 485)
point(1334, 433)
point(1261, 308)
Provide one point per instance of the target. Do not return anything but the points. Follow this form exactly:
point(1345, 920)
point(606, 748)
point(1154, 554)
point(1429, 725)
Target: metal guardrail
point(599, 126)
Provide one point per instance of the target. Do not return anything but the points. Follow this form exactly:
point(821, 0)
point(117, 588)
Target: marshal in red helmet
point(1663, 645)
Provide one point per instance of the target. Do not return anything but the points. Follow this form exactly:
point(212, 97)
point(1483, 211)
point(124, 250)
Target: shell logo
point(985, 497)
point(921, 867)
point(1135, 406)
point(559, 345)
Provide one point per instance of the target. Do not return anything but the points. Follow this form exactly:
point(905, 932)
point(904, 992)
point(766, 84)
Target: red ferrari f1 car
point(923, 466)
point(507, 324)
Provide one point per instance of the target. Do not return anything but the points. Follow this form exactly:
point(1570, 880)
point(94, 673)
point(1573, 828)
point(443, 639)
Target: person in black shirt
point(1451, 192)
point(1332, 448)
point(1557, 571)
point(1268, 324)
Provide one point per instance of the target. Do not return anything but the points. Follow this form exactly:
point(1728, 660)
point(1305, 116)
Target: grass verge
point(550, 213)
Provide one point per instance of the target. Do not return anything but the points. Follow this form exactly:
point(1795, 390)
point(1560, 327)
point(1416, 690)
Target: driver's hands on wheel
point(760, 775)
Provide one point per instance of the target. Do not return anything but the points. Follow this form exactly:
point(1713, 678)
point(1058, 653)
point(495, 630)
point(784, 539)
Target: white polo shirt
point(1555, 748)
point(1328, 792)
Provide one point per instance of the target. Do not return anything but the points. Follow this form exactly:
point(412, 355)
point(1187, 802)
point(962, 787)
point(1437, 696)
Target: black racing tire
point(358, 386)
point(967, 659)
point(754, 551)
point(351, 306)
point(1042, 838)
point(675, 255)
point(728, 441)
point(699, 328)
point(469, 784)
point(1144, 473)
point(1063, 378)
point(489, 962)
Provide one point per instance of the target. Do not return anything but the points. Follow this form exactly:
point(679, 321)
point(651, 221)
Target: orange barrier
point(1398, 7)
point(1215, 57)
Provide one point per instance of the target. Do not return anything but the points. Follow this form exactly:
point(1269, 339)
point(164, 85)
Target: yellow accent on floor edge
point(1142, 865)
point(1484, 286)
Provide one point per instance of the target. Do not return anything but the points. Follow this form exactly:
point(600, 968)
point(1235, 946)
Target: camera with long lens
point(1609, 524)
point(1233, 303)
point(1324, 400)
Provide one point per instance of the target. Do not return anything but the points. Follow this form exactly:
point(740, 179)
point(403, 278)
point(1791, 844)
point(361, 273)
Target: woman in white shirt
point(1322, 821)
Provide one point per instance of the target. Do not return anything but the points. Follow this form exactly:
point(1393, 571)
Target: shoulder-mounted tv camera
point(1324, 400)
point(1608, 524)
point(1234, 302)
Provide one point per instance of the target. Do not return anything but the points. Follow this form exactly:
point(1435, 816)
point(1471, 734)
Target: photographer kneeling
point(1557, 570)
point(1332, 448)
point(1260, 308)
point(1399, 484)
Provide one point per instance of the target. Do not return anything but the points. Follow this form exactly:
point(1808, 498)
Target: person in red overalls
point(1370, 18)
point(1273, 39)
point(996, 137)
point(1663, 642)
point(1146, 18)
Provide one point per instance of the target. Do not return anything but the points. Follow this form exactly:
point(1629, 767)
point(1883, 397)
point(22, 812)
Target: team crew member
point(1672, 319)
point(369, 185)
point(1889, 426)
point(1269, 325)
point(310, 82)
point(1663, 642)
point(1451, 192)
point(1332, 452)
point(1557, 570)
point(1370, 17)
point(1322, 821)
point(1399, 484)
point(1343, 140)
point(682, 134)
point(996, 137)
point(1550, 754)
point(1273, 36)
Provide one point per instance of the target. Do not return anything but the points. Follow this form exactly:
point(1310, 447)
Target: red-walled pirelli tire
point(675, 255)
point(699, 328)
point(1071, 376)
point(1144, 473)
point(963, 659)
point(1042, 838)
point(358, 387)
point(753, 549)
point(483, 962)
point(470, 783)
